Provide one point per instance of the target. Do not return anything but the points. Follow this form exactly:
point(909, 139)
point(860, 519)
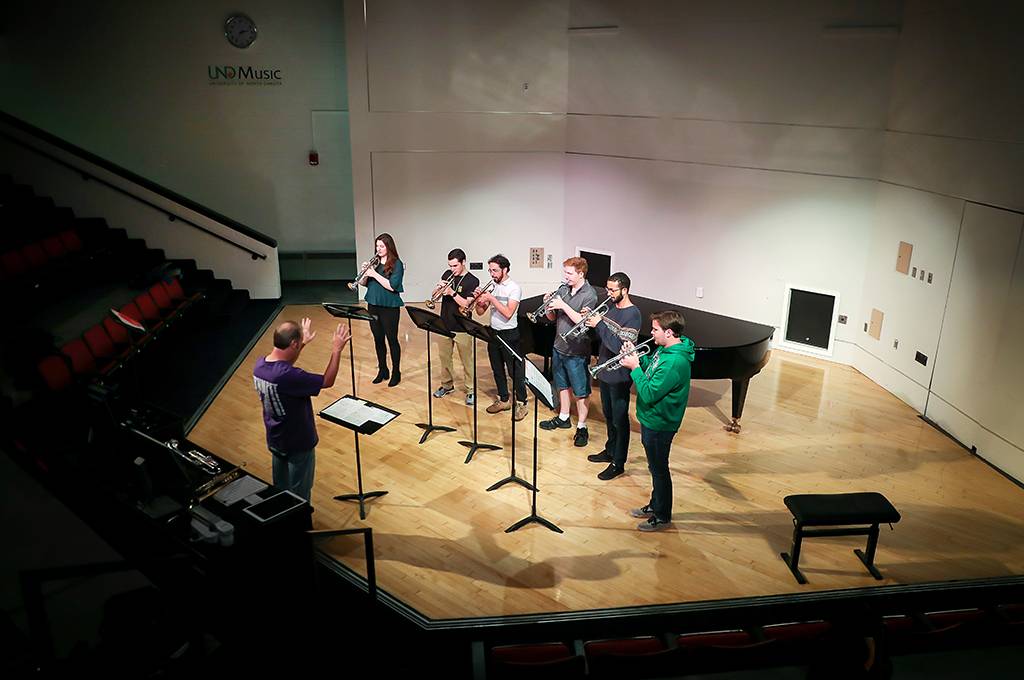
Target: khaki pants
point(465, 344)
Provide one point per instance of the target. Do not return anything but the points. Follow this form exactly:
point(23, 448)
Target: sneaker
point(642, 512)
point(582, 437)
point(610, 472)
point(653, 524)
point(603, 457)
point(470, 399)
point(522, 410)
point(498, 406)
point(442, 391)
point(556, 423)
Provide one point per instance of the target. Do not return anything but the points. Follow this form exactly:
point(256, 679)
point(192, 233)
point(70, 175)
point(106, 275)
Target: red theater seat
point(34, 255)
point(53, 247)
point(55, 372)
point(70, 239)
point(119, 335)
point(174, 289)
point(147, 307)
point(82, 361)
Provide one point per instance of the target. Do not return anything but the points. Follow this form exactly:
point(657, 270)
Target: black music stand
point(512, 476)
point(541, 389)
point(350, 312)
point(358, 313)
point(431, 323)
point(477, 331)
point(345, 412)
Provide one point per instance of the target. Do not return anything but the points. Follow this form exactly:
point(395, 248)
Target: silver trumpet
point(616, 361)
point(438, 293)
point(541, 311)
point(581, 327)
point(374, 261)
point(467, 311)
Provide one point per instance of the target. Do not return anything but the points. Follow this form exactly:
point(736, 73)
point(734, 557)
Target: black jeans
point(615, 406)
point(657, 446)
point(386, 326)
point(502, 359)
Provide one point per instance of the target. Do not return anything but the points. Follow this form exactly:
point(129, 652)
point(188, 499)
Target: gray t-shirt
point(505, 293)
point(584, 297)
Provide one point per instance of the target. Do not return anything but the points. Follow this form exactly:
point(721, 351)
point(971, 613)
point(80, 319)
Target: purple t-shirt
point(287, 408)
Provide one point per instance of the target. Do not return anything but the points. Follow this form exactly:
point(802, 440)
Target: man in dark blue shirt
point(621, 322)
point(286, 392)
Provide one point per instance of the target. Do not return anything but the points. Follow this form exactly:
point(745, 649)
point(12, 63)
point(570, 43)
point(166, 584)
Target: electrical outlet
point(865, 327)
point(842, 318)
point(551, 261)
point(929, 277)
point(895, 344)
point(700, 292)
point(913, 273)
point(921, 359)
point(922, 275)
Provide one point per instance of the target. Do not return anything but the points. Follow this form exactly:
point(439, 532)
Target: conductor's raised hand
point(307, 334)
point(341, 337)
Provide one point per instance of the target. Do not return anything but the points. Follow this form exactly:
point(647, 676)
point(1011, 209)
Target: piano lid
point(706, 329)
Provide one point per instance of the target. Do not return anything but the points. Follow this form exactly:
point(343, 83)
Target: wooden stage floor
point(809, 426)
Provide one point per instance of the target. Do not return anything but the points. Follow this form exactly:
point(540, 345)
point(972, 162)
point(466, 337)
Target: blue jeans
point(294, 471)
point(615, 406)
point(569, 371)
point(657, 446)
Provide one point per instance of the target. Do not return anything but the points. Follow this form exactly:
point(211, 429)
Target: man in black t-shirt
point(455, 298)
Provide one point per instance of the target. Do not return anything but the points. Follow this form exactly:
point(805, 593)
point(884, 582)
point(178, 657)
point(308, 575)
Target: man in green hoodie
point(662, 382)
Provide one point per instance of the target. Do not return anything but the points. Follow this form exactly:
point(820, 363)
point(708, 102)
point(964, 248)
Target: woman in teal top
point(383, 285)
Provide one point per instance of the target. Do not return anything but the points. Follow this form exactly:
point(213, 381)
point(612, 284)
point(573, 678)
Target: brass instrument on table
point(581, 327)
point(374, 261)
point(204, 462)
point(541, 311)
point(213, 486)
point(467, 311)
point(616, 361)
point(438, 293)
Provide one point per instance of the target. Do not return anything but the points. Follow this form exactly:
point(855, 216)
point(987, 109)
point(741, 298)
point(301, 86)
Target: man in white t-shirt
point(503, 301)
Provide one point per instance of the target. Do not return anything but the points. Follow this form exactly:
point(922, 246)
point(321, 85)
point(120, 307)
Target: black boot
point(396, 378)
point(382, 375)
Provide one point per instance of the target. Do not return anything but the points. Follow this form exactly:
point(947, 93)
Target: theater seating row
point(109, 345)
point(779, 645)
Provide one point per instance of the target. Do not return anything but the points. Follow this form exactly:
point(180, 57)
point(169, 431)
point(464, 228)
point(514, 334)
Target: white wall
point(715, 146)
point(953, 146)
point(129, 83)
point(449, 150)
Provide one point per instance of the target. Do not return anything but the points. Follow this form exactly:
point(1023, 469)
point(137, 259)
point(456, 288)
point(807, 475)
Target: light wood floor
point(809, 427)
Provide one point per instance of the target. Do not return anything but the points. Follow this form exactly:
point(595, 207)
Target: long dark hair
point(389, 245)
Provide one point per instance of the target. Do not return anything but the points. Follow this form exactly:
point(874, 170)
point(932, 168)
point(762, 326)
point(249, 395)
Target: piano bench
point(853, 514)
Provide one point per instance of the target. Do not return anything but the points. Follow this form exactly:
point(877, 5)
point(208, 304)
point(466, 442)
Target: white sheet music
point(538, 382)
point(242, 487)
point(357, 412)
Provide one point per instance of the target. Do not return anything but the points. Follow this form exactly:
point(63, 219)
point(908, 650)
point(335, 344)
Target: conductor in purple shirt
point(286, 393)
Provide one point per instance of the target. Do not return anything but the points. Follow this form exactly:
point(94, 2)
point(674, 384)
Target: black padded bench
point(858, 514)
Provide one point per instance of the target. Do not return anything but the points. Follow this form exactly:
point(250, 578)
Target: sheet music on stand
point(536, 380)
point(358, 414)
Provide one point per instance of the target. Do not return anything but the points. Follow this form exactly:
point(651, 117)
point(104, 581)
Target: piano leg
point(739, 397)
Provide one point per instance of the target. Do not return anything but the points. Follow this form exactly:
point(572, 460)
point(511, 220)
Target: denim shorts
point(570, 371)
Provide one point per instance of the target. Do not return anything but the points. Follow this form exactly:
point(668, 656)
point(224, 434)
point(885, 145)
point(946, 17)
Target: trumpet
point(374, 261)
point(581, 327)
point(436, 296)
point(468, 309)
point(536, 314)
point(616, 361)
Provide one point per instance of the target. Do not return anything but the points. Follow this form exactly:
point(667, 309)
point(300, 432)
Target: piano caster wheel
point(734, 426)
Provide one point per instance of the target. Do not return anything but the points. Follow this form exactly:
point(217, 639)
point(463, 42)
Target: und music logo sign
point(243, 75)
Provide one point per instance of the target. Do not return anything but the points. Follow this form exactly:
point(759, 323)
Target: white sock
point(563, 416)
point(581, 425)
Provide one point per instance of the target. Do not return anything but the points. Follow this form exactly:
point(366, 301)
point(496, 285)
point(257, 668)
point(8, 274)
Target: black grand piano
point(725, 347)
